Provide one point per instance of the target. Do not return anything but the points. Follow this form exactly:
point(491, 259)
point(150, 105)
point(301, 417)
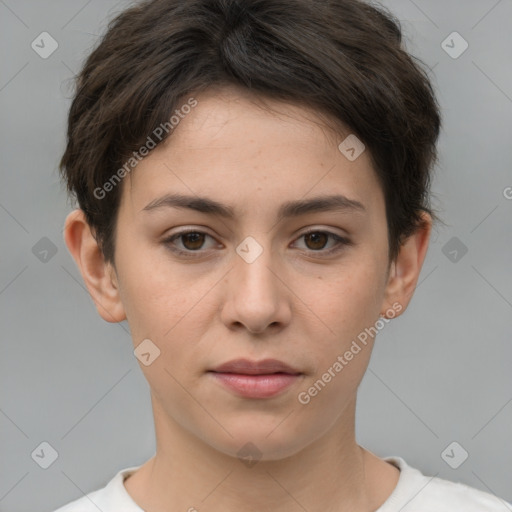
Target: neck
point(332, 474)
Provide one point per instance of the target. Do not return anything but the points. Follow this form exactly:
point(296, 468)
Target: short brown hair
point(344, 58)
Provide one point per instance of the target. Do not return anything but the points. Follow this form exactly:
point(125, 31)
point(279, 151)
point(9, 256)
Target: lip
point(263, 367)
point(256, 379)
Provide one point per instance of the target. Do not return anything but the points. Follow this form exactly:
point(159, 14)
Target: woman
point(253, 189)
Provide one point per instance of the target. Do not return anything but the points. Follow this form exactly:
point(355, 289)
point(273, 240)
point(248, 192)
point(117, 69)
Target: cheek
point(350, 307)
point(351, 302)
point(167, 305)
point(152, 297)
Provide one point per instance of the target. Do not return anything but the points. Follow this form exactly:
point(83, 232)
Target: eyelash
point(341, 242)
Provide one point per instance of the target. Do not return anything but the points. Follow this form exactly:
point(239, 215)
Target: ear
point(406, 268)
point(99, 277)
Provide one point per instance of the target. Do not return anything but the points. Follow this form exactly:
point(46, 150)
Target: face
point(299, 288)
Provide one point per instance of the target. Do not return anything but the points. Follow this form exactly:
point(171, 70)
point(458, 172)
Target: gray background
point(439, 373)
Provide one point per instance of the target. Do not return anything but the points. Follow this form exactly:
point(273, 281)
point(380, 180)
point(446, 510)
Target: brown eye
point(193, 240)
point(316, 240)
point(187, 243)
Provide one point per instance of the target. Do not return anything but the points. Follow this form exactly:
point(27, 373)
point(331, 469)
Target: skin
point(293, 303)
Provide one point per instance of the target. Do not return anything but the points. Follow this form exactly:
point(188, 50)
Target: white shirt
point(414, 492)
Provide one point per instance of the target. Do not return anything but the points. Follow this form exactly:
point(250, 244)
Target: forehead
point(221, 108)
point(234, 146)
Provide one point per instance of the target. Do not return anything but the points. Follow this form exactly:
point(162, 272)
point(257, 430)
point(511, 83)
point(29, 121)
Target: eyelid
point(319, 229)
point(342, 241)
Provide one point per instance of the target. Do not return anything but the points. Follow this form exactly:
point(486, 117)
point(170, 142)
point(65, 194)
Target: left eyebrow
point(289, 209)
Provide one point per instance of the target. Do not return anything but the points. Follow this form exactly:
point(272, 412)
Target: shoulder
point(452, 496)
point(417, 492)
point(110, 498)
point(87, 503)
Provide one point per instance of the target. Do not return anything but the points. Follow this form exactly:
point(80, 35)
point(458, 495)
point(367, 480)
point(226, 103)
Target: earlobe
point(99, 276)
point(405, 270)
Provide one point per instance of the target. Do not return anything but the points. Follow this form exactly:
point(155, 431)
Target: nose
point(257, 296)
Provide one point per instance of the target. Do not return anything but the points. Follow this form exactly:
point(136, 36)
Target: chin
point(259, 440)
